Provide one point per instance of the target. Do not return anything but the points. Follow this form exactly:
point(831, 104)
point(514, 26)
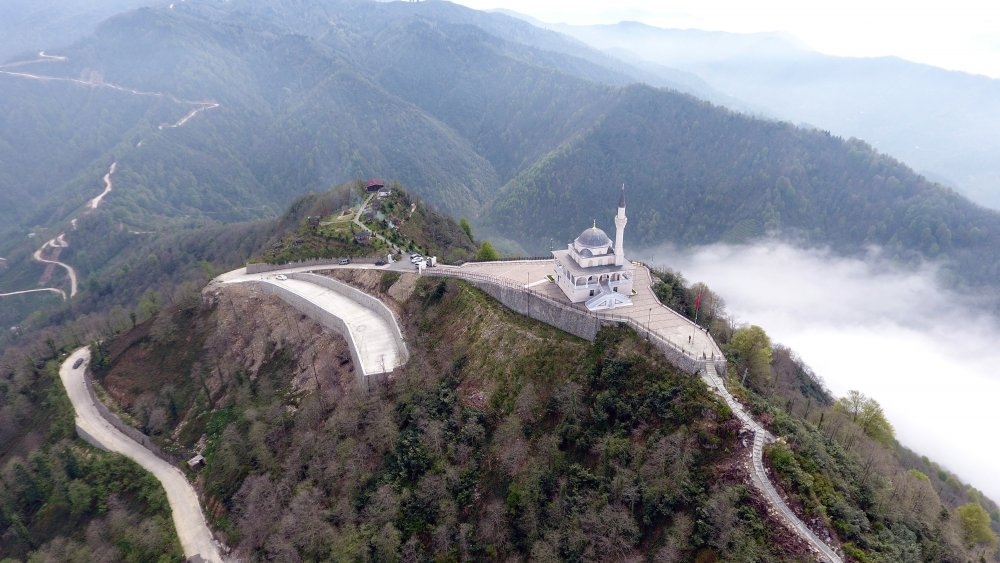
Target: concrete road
point(195, 537)
point(373, 336)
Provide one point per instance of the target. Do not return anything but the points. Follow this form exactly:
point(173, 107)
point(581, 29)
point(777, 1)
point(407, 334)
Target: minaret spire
point(620, 221)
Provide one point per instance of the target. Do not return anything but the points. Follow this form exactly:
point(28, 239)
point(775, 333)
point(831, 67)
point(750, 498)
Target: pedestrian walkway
point(757, 471)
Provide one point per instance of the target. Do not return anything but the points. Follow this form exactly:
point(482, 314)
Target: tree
point(867, 414)
point(710, 305)
point(976, 528)
point(487, 253)
point(752, 349)
point(464, 223)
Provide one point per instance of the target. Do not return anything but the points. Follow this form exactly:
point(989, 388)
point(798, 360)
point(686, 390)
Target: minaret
point(620, 221)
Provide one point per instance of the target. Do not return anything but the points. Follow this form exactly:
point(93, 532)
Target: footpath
point(684, 344)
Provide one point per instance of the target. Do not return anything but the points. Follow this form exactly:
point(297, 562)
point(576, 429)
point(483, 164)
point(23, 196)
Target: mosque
point(593, 270)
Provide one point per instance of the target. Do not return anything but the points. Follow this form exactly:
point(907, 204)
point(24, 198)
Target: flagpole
point(697, 304)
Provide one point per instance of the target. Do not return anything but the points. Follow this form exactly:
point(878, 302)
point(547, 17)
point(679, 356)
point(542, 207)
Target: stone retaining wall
point(577, 322)
point(113, 420)
point(574, 322)
point(323, 317)
point(368, 301)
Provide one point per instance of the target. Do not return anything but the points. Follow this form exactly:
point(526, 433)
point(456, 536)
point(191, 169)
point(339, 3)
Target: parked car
point(78, 363)
point(415, 257)
point(281, 277)
point(345, 261)
point(380, 262)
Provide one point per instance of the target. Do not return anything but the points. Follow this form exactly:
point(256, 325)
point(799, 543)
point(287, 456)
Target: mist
point(928, 355)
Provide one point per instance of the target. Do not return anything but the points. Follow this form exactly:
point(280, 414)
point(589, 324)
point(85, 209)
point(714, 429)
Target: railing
point(693, 360)
point(511, 259)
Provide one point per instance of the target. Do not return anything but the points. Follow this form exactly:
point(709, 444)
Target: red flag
point(697, 302)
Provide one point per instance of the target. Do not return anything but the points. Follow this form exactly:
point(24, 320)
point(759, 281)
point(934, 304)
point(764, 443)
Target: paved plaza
point(645, 311)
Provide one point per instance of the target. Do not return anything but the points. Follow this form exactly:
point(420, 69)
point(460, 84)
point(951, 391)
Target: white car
point(414, 258)
point(281, 277)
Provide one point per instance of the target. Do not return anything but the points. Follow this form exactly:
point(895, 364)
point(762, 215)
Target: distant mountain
point(29, 25)
point(696, 174)
point(227, 111)
point(942, 123)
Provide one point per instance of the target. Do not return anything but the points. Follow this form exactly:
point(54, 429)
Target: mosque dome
point(592, 238)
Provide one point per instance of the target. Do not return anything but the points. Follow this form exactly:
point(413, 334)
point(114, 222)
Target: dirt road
point(58, 242)
point(94, 203)
point(49, 289)
point(195, 537)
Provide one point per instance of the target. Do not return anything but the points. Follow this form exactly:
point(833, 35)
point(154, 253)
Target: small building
point(363, 237)
point(384, 192)
point(593, 269)
point(196, 462)
point(374, 185)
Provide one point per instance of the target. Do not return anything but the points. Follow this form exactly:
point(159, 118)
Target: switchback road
point(195, 536)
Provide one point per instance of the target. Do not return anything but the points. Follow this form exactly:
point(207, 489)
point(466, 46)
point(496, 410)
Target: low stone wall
point(369, 301)
point(113, 420)
point(259, 268)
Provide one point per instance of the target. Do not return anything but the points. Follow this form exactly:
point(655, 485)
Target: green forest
point(502, 438)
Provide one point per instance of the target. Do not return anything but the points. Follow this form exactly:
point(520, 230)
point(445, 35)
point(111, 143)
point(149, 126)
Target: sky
point(955, 34)
point(927, 355)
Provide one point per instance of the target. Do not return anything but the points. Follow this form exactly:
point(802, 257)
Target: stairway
point(607, 299)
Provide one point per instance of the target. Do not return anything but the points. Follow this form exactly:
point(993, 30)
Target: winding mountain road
point(94, 203)
point(46, 289)
point(58, 242)
point(195, 536)
point(197, 107)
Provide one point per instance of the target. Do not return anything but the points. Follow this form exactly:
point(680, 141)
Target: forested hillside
point(939, 122)
point(503, 437)
point(29, 25)
point(696, 174)
point(60, 499)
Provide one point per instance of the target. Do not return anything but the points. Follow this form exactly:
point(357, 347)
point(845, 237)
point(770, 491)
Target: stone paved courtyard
point(646, 309)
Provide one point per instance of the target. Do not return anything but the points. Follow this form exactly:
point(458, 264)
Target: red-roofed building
point(375, 185)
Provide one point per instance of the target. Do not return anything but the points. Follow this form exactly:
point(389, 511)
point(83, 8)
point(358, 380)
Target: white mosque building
point(594, 270)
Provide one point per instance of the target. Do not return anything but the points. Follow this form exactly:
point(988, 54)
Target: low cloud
point(928, 355)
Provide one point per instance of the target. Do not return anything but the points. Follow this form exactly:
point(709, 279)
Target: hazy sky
point(955, 34)
point(928, 356)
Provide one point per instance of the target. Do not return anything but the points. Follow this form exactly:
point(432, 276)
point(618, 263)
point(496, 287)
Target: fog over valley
point(926, 354)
